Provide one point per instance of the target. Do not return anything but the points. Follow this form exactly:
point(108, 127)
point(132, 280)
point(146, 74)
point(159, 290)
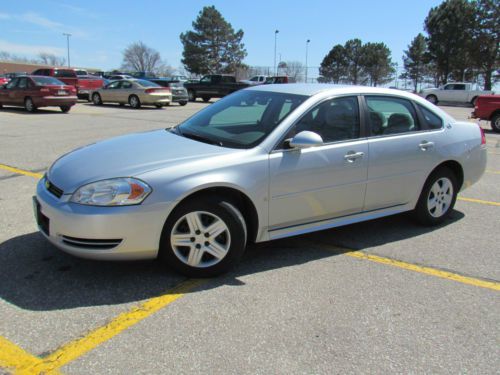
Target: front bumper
point(106, 233)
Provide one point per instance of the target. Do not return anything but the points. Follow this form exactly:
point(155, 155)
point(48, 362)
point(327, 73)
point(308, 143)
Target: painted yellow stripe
point(20, 171)
point(491, 171)
point(72, 350)
point(15, 359)
point(426, 270)
point(490, 203)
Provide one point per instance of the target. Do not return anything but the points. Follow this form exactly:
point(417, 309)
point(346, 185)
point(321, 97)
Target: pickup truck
point(84, 84)
point(213, 86)
point(487, 108)
point(457, 92)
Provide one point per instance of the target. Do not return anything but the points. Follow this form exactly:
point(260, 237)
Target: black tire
point(1, 105)
point(495, 122)
point(183, 103)
point(96, 99)
point(65, 108)
point(473, 101)
point(228, 214)
point(134, 102)
point(432, 98)
point(191, 95)
point(159, 106)
point(29, 105)
point(422, 213)
point(206, 99)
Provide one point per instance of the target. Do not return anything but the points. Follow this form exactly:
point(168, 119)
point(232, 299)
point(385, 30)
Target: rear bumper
point(48, 101)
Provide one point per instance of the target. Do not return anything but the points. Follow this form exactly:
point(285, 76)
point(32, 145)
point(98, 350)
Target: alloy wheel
point(440, 197)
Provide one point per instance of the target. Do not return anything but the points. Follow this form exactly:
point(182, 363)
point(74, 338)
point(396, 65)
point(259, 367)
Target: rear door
point(124, 91)
point(20, 92)
point(402, 152)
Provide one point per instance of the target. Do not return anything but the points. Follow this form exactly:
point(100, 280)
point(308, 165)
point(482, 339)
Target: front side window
point(334, 120)
point(390, 115)
point(23, 83)
point(206, 79)
point(114, 85)
point(242, 120)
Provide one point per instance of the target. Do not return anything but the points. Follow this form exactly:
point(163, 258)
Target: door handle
point(351, 156)
point(424, 145)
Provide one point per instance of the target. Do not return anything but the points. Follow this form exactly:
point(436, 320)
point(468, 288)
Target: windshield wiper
point(198, 137)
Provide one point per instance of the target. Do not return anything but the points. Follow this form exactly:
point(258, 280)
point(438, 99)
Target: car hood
point(127, 156)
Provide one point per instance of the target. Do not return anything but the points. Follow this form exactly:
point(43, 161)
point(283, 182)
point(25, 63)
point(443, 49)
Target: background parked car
point(84, 85)
point(213, 86)
point(4, 79)
point(255, 80)
point(135, 92)
point(488, 108)
point(277, 79)
point(117, 77)
point(457, 92)
point(179, 92)
point(32, 92)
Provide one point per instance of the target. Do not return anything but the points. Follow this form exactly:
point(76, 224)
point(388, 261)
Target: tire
point(437, 198)
point(96, 99)
point(159, 106)
point(229, 245)
point(495, 122)
point(206, 99)
point(29, 105)
point(134, 101)
point(65, 108)
point(432, 98)
point(473, 101)
point(1, 105)
point(183, 103)
point(191, 95)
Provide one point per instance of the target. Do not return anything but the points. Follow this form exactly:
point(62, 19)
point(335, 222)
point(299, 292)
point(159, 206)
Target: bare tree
point(293, 69)
point(51, 59)
point(139, 57)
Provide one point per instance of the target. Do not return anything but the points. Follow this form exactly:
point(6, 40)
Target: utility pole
point(307, 46)
point(275, 39)
point(67, 43)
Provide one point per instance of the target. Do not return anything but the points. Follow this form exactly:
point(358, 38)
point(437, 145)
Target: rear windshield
point(81, 72)
point(42, 81)
point(64, 73)
point(144, 83)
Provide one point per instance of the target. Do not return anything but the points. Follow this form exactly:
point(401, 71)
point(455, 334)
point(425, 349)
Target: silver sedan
point(263, 163)
point(135, 92)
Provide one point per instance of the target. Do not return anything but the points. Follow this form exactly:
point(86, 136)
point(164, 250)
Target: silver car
point(263, 163)
point(135, 92)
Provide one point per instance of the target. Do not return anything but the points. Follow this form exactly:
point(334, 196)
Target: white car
point(256, 80)
point(456, 92)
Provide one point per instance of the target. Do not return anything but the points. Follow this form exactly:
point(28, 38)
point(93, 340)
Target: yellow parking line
point(73, 350)
point(491, 171)
point(426, 270)
point(21, 171)
point(490, 203)
point(13, 358)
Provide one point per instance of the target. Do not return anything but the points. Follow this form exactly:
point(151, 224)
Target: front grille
point(53, 189)
point(91, 244)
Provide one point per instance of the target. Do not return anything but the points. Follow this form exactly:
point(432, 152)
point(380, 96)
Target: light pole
point(307, 46)
point(275, 39)
point(67, 43)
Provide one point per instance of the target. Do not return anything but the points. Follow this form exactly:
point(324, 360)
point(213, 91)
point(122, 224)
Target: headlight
point(114, 192)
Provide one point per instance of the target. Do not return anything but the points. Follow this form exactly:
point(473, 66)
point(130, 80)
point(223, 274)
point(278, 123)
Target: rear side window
point(13, 83)
point(126, 85)
point(389, 115)
point(432, 120)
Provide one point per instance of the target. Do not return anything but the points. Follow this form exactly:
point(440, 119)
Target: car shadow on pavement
point(142, 108)
point(35, 276)
point(39, 111)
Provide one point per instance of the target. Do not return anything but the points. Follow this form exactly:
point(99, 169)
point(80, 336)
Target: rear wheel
point(96, 99)
point(183, 102)
point(437, 198)
point(191, 96)
point(432, 98)
point(65, 108)
point(206, 99)
point(495, 122)
point(134, 101)
point(29, 105)
point(203, 237)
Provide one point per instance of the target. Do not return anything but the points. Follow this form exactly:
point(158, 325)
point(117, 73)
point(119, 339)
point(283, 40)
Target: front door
point(322, 182)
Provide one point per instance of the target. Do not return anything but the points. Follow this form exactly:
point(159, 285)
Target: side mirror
point(306, 139)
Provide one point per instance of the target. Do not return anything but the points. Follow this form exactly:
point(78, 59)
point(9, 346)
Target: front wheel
point(495, 123)
point(65, 108)
point(96, 99)
point(203, 237)
point(206, 99)
point(29, 105)
point(183, 103)
point(437, 198)
point(432, 98)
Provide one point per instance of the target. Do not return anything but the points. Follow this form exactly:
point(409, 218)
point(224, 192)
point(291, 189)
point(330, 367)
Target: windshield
point(241, 120)
point(145, 83)
point(41, 81)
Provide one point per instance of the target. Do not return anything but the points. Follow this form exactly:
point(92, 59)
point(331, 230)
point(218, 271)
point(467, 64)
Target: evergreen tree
point(376, 63)
point(415, 60)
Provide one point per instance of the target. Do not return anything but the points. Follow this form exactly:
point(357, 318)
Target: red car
point(32, 92)
point(487, 107)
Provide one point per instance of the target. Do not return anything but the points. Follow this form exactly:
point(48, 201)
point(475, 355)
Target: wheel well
point(238, 199)
point(456, 168)
point(497, 112)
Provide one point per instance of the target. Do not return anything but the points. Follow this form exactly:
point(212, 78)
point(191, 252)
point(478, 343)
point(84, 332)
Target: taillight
point(149, 91)
point(483, 136)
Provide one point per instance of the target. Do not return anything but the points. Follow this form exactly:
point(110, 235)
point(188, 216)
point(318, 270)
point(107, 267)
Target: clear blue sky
point(102, 29)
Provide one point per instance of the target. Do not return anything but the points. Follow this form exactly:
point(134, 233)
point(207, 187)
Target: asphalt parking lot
point(378, 297)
